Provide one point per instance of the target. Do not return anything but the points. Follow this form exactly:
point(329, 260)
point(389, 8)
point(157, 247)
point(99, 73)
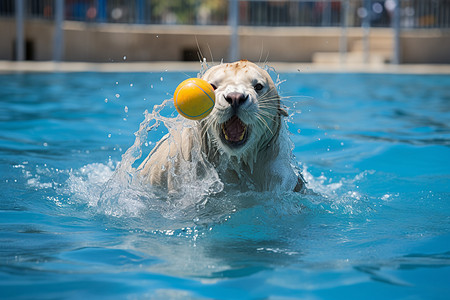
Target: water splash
point(117, 189)
point(114, 189)
point(120, 191)
point(341, 196)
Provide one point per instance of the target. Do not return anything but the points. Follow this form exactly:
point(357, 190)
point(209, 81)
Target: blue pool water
point(374, 147)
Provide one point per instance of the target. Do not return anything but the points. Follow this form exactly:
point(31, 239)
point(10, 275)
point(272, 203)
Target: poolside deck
point(48, 66)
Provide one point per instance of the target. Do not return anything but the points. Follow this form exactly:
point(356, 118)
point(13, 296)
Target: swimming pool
point(375, 147)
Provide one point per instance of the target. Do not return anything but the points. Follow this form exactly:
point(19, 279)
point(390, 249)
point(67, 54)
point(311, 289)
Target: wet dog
point(244, 137)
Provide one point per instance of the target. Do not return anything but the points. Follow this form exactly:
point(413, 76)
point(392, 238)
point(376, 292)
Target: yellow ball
point(194, 98)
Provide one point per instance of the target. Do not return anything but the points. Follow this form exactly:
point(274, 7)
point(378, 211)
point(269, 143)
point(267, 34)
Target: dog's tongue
point(234, 129)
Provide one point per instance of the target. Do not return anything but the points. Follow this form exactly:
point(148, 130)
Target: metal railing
point(413, 13)
point(398, 14)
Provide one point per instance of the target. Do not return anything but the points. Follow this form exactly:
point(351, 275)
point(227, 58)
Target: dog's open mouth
point(234, 132)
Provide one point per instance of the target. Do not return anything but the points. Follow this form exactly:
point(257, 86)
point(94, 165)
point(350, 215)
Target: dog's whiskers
point(261, 119)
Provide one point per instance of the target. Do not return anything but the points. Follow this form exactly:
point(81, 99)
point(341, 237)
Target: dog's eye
point(213, 86)
point(258, 87)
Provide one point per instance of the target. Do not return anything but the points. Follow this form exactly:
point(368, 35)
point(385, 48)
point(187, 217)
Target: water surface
point(374, 147)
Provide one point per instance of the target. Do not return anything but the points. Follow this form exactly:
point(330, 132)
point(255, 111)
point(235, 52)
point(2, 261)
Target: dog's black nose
point(236, 99)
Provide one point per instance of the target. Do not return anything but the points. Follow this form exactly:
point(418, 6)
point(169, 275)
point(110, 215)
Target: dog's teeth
point(242, 135)
point(224, 133)
point(240, 138)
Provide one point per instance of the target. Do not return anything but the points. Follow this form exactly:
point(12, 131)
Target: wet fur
point(261, 163)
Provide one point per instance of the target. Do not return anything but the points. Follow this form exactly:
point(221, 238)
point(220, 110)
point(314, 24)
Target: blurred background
point(310, 31)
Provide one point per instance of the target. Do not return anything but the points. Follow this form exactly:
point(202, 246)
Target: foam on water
point(117, 189)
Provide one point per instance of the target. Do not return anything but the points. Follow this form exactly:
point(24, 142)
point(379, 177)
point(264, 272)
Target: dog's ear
point(282, 112)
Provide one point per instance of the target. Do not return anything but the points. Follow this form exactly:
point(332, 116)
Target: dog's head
point(247, 112)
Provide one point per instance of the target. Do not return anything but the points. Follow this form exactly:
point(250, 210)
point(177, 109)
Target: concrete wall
point(104, 43)
point(111, 42)
point(425, 46)
point(38, 34)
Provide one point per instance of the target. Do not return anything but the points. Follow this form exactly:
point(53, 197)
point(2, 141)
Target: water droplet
point(385, 197)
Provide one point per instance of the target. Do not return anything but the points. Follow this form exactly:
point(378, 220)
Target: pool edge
point(283, 67)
